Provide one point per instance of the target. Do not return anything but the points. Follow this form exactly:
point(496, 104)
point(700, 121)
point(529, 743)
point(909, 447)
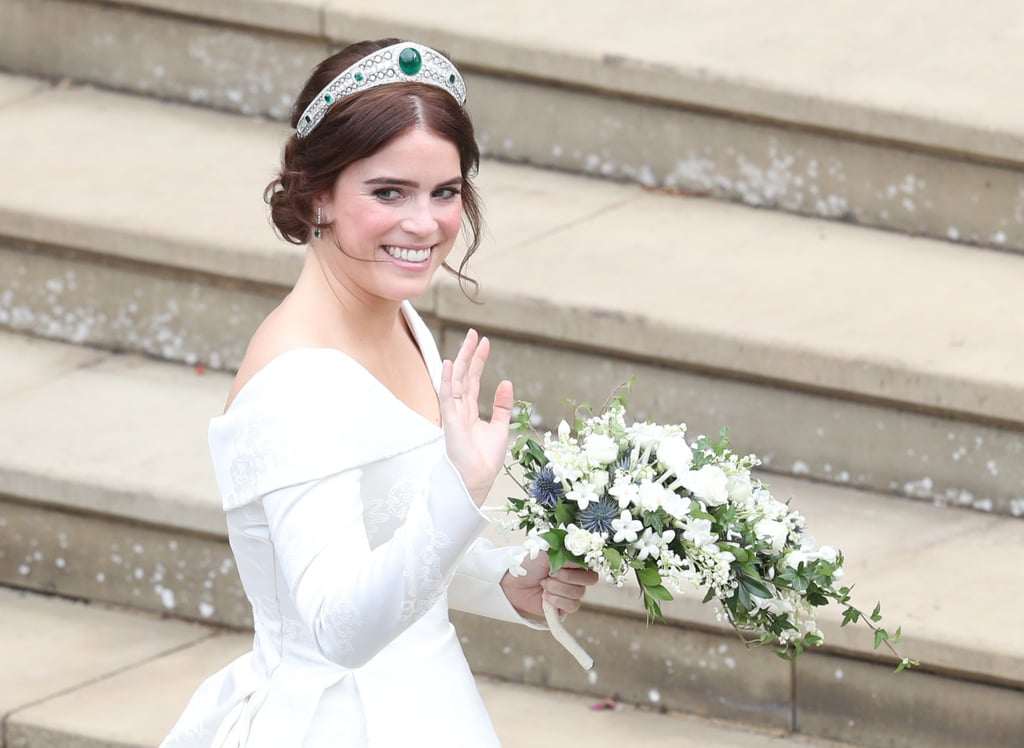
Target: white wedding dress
point(353, 534)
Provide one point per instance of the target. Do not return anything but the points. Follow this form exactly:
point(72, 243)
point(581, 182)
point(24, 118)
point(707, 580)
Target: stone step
point(872, 122)
point(835, 352)
point(78, 674)
point(110, 498)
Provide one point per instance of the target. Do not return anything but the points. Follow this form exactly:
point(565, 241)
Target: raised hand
point(476, 447)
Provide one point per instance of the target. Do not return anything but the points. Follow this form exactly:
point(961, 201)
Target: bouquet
point(638, 499)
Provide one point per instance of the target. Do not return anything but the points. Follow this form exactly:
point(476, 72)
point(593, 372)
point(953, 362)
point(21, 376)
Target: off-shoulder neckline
point(416, 326)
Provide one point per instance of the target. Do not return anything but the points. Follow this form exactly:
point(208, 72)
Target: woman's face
point(396, 216)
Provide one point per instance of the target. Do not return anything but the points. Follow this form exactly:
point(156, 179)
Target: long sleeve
point(476, 586)
point(353, 599)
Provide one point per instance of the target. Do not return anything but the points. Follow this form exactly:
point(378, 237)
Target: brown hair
point(355, 128)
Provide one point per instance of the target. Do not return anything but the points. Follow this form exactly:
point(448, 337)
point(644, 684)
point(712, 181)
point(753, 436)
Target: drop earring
point(319, 220)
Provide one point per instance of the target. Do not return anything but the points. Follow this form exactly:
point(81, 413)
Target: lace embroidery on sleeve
point(426, 585)
point(382, 515)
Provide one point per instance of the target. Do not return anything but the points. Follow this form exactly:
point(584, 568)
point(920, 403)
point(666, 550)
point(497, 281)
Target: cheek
point(451, 218)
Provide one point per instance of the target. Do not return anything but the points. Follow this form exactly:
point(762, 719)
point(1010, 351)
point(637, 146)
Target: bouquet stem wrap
point(563, 637)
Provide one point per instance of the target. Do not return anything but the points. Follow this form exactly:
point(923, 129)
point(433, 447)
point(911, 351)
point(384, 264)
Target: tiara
point(406, 62)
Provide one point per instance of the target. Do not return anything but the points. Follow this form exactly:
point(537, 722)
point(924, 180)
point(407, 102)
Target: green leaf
point(755, 587)
point(563, 514)
point(880, 636)
point(648, 576)
point(658, 592)
point(850, 615)
point(556, 556)
point(613, 557)
point(876, 614)
point(709, 596)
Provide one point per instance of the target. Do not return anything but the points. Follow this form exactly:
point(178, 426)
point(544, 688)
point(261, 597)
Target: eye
point(447, 193)
point(387, 194)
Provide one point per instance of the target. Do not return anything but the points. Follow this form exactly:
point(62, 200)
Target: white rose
point(599, 478)
point(739, 487)
point(707, 484)
point(675, 455)
point(577, 540)
point(600, 449)
point(776, 532)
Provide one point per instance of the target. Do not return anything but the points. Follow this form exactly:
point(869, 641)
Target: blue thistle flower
point(598, 515)
point(545, 489)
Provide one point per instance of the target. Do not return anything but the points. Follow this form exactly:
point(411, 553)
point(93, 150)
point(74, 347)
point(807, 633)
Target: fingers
point(462, 361)
point(566, 587)
point(501, 413)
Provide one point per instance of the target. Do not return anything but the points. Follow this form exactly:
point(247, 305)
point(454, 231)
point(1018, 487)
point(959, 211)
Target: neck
point(355, 315)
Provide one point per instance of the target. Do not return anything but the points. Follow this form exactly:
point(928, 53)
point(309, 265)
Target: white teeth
point(409, 255)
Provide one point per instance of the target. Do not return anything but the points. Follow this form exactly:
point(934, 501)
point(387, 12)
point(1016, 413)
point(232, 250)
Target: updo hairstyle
point(355, 128)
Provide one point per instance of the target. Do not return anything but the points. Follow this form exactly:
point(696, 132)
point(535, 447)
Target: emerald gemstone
point(328, 98)
point(358, 77)
point(308, 118)
point(409, 61)
point(451, 78)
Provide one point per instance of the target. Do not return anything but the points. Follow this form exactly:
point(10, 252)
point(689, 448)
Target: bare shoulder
point(276, 335)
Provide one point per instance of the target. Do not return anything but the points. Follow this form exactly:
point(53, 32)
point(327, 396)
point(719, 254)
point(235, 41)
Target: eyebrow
point(409, 182)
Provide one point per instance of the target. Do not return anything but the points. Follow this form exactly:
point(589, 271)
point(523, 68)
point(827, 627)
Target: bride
point(351, 461)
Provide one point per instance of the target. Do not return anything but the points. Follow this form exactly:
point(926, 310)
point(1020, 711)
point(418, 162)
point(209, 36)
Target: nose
point(420, 219)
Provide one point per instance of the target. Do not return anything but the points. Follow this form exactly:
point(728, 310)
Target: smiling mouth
point(408, 255)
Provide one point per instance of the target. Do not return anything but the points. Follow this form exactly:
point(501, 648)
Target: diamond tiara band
point(406, 62)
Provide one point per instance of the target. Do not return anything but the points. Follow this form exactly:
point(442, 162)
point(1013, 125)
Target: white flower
point(577, 540)
point(652, 495)
point(563, 431)
point(698, 532)
point(774, 531)
point(626, 491)
point(707, 484)
point(651, 543)
point(600, 449)
point(583, 493)
point(676, 505)
point(827, 553)
point(514, 558)
point(739, 488)
point(626, 528)
point(675, 455)
point(535, 545)
point(600, 478)
point(794, 558)
point(646, 434)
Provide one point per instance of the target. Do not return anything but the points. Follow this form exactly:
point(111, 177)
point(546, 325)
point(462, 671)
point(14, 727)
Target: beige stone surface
point(862, 704)
point(294, 16)
point(184, 189)
point(873, 68)
point(135, 707)
point(527, 717)
point(246, 69)
point(769, 296)
point(30, 362)
point(126, 437)
point(944, 460)
point(15, 89)
point(106, 558)
point(50, 645)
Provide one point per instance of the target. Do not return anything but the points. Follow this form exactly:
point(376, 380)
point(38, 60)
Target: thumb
point(501, 414)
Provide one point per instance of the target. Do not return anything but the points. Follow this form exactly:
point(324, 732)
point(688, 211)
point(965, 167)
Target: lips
point(408, 255)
